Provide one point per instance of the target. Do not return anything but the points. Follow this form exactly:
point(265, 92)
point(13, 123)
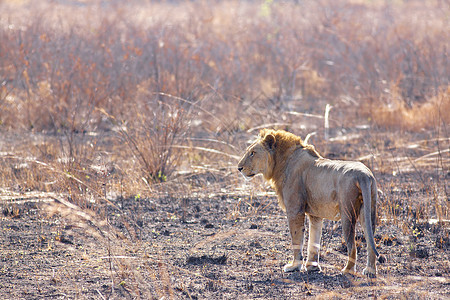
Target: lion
point(308, 184)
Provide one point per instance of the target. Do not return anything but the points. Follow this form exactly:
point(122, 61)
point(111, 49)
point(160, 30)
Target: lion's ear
point(262, 133)
point(269, 141)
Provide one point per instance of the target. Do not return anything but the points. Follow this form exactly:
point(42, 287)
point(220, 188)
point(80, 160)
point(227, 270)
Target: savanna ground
point(121, 124)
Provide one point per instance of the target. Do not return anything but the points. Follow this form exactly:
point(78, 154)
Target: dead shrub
point(153, 134)
point(427, 115)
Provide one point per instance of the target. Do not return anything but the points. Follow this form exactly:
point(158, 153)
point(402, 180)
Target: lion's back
point(349, 168)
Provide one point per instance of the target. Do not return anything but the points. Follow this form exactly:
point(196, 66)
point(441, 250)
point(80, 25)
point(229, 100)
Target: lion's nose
point(240, 169)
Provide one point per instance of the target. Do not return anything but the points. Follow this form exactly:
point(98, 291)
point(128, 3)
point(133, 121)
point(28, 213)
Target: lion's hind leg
point(370, 270)
point(315, 233)
point(297, 230)
point(348, 229)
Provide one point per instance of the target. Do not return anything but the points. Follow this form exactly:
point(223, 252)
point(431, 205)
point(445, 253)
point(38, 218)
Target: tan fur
point(308, 184)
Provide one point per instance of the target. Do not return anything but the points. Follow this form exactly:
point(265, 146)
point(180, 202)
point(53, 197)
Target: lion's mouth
point(248, 176)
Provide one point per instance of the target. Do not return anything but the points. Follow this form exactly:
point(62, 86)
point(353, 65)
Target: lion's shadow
point(320, 278)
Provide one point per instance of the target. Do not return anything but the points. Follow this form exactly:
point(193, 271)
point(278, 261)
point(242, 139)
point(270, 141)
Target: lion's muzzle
point(247, 176)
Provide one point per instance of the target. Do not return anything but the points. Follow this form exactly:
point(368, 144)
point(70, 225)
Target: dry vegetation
point(121, 123)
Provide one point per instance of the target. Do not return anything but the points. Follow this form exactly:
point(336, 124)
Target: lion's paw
point(291, 267)
point(351, 271)
point(370, 272)
point(313, 268)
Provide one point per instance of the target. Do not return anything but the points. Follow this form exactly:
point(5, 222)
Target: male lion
point(307, 183)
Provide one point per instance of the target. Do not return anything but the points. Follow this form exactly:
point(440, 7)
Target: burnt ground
point(201, 247)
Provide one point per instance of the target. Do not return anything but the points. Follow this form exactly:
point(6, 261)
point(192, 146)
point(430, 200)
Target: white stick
point(327, 123)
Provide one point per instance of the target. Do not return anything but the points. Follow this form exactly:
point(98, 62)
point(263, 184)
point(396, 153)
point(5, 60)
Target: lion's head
point(268, 155)
point(257, 158)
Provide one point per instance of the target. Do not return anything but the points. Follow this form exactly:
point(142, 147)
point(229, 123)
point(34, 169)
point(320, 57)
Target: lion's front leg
point(297, 230)
point(315, 232)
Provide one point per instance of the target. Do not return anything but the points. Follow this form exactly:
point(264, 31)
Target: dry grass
point(427, 115)
point(103, 102)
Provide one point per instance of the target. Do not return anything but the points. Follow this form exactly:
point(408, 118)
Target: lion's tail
point(366, 187)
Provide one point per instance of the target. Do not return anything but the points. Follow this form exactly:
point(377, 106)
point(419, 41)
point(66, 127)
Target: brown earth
point(205, 248)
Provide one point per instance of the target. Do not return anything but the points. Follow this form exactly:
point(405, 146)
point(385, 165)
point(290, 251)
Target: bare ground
point(204, 248)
